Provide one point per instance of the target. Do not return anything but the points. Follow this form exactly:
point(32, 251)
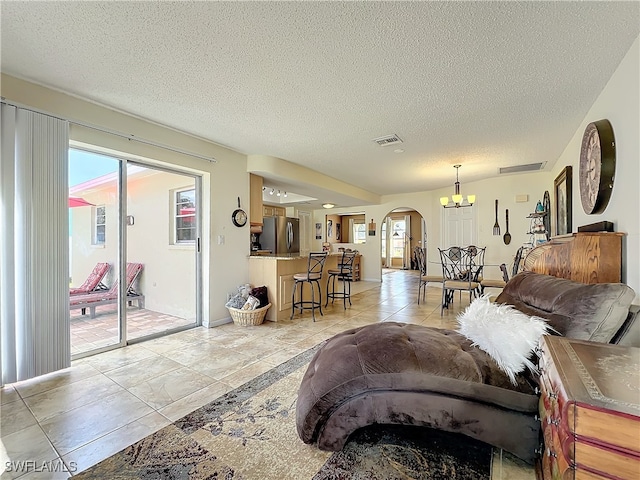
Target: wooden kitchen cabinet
point(255, 199)
point(590, 410)
point(272, 211)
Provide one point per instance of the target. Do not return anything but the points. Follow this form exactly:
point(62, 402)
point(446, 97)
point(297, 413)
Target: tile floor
point(92, 333)
point(72, 419)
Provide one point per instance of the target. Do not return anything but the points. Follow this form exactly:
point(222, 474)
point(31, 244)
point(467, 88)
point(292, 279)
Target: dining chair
point(461, 269)
point(488, 283)
point(421, 259)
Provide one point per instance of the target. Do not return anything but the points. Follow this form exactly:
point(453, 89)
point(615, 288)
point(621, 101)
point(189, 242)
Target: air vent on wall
point(388, 140)
point(530, 167)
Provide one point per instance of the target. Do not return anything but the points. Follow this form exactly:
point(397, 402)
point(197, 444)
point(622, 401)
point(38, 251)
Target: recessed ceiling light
point(328, 205)
point(399, 150)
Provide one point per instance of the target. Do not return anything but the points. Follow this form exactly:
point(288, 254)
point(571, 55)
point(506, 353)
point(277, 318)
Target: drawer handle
point(551, 453)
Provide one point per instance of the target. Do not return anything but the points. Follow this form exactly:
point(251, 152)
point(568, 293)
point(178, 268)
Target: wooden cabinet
point(590, 410)
point(273, 211)
point(582, 257)
point(255, 199)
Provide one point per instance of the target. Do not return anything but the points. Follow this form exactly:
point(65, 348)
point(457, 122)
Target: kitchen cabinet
point(589, 410)
point(273, 211)
point(255, 199)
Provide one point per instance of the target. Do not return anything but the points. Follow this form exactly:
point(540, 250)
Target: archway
point(403, 229)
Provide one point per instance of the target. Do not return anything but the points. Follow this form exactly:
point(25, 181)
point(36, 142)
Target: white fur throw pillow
point(505, 333)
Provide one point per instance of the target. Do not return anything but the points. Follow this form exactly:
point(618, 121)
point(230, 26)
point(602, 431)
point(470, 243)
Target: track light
point(278, 194)
point(285, 194)
point(271, 192)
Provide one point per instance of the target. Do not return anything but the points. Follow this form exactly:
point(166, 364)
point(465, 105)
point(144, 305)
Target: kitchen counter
point(275, 271)
point(288, 256)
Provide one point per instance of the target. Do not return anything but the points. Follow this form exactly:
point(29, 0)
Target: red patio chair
point(93, 282)
point(93, 300)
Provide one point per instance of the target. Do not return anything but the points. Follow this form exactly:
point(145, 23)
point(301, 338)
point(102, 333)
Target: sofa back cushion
point(575, 310)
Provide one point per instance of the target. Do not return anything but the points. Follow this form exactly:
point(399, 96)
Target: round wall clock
point(239, 216)
point(597, 166)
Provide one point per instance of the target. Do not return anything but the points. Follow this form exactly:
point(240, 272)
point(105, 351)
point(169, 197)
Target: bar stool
point(344, 272)
point(315, 265)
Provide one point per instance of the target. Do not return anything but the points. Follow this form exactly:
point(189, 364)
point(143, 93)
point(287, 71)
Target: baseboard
point(217, 323)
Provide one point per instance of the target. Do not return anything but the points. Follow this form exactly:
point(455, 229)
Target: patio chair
point(93, 300)
point(94, 281)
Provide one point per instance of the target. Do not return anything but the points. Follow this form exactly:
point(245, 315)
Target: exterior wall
point(168, 278)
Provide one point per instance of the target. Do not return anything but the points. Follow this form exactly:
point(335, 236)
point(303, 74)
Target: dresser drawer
point(556, 464)
point(589, 410)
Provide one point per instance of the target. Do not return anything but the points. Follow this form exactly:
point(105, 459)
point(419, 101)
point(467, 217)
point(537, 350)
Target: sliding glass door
point(134, 263)
point(94, 251)
point(162, 240)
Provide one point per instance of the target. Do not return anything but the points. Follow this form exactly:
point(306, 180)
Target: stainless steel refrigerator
point(280, 235)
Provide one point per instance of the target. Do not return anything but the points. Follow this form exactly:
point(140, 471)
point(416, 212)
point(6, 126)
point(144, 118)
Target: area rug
point(250, 433)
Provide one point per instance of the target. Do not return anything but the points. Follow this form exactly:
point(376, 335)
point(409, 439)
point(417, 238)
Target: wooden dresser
point(587, 257)
point(590, 410)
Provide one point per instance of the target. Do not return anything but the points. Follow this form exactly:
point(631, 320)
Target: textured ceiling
point(483, 84)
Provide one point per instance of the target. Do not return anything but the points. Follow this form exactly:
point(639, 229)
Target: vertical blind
point(34, 244)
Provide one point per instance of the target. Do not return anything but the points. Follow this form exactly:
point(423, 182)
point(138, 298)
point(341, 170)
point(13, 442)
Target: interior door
point(459, 226)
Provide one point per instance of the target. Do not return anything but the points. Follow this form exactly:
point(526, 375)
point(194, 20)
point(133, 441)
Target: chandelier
point(457, 198)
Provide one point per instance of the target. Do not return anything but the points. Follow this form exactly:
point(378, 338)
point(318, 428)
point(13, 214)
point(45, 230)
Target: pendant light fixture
point(457, 199)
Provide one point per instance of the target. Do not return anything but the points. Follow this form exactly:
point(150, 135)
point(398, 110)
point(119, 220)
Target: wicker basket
point(248, 317)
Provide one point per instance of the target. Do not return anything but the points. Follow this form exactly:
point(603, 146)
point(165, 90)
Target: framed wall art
point(563, 207)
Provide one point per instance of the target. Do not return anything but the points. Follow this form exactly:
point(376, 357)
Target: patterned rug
point(250, 433)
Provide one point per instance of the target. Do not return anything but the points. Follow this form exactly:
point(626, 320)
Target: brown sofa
point(393, 373)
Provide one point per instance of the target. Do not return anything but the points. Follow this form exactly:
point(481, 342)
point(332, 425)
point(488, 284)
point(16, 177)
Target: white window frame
point(358, 227)
point(96, 224)
point(176, 215)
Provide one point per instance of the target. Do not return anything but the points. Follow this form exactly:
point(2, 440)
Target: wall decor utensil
point(496, 226)
point(507, 235)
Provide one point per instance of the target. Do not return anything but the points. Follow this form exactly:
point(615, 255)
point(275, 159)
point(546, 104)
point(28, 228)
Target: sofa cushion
point(585, 312)
point(504, 332)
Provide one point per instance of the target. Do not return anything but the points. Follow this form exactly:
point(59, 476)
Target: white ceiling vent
point(392, 139)
point(529, 167)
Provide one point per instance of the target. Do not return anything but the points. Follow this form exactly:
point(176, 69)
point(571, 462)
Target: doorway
point(142, 221)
